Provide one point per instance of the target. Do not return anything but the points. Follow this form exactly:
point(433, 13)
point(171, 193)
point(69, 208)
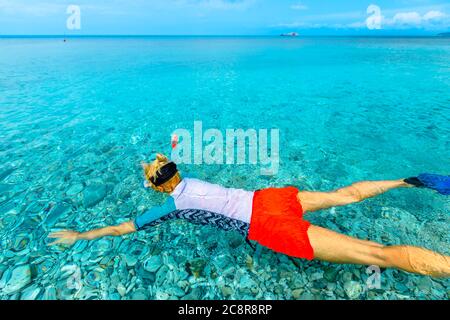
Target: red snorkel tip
point(174, 141)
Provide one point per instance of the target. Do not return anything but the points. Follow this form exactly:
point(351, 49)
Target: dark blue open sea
point(77, 117)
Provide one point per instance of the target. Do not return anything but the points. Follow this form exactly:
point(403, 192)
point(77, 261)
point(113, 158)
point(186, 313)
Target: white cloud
point(427, 17)
point(429, 20)
point(35, 9)
point(356, 25)
point(434, 15)
point(296, 24)
point(407, 18)
point(216, 4)
point(48, 7)
point(299, 6)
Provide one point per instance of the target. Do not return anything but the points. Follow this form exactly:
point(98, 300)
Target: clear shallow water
point(76, 119)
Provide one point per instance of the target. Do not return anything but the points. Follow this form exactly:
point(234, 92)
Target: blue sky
point(225, 17)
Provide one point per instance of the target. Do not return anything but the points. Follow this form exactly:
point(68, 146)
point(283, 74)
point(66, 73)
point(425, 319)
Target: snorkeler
point(273, 218)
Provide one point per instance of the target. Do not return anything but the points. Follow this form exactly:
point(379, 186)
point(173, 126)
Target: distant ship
point(290, 34)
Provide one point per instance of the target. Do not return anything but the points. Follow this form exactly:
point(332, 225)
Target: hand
point(64, 237)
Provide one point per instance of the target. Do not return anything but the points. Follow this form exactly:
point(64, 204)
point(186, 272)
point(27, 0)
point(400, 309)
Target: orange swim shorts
point(277, 222)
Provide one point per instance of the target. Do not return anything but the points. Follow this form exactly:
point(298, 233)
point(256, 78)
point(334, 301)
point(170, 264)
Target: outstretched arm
point(70, 237)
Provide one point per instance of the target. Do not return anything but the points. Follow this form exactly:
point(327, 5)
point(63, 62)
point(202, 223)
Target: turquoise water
point(76, 119)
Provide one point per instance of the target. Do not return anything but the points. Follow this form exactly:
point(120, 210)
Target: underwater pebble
point(74, 189)
point(4, 188)
point(10, 220)
point(121, 289)
point(139, 294)
point(161, 275)
point(152, 264)
point(79, 246)
point(6, 173)
point(30, 293)
point(223, 261)
point(69, 270)
point(58, 210)
point(93, 194)
point(114, 296)
point(92, 279)
point(195, 294)
point(331, 286)
point(226, 291)
point(347, 276)
point(307, 296)
point(21, 243)
point(175, 291)
point(132, 284)
point(316, 276)
point(162, 296)
point(197, 266)
point(247, 284)
point(130, 260)
point(424, 284)
point(50, 293)
point(297, 293)
point(183, 284)
point(353, 289)
point(20, 277)
point(330, 274)
point(401, 287)
point(3, 267)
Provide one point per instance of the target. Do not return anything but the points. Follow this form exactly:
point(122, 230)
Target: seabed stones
point(353, 289)
point(14, 281)
point(93, 194)
point(50, 293)
point(176, 260)
point(196, 266)
point(30, 293)
point(21, 243)
point(139, 294)
point(136, 250)
point(247, 285)
point(145, 271)
point(93, 279)
point(153, 263)
point(56, 211)
point(75, 189)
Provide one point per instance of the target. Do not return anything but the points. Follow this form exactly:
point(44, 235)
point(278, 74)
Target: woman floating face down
point(273, 217)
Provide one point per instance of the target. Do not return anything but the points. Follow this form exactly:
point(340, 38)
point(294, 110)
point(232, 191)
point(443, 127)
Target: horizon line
point(219, 35)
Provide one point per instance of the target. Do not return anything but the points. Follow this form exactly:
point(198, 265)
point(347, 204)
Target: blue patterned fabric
point(195, 216)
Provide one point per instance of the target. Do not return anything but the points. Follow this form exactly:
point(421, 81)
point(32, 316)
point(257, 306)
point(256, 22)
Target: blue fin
point(436, 182)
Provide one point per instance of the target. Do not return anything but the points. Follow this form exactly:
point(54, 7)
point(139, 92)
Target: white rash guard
point(196, 194)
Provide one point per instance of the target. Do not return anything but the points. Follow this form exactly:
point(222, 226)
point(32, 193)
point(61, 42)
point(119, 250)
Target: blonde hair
point(151, 169)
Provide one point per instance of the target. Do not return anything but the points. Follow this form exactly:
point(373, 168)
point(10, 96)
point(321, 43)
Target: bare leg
point(338, 248)
point(313, 201)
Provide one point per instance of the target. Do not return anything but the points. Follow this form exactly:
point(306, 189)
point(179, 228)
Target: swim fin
point(432, 181)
